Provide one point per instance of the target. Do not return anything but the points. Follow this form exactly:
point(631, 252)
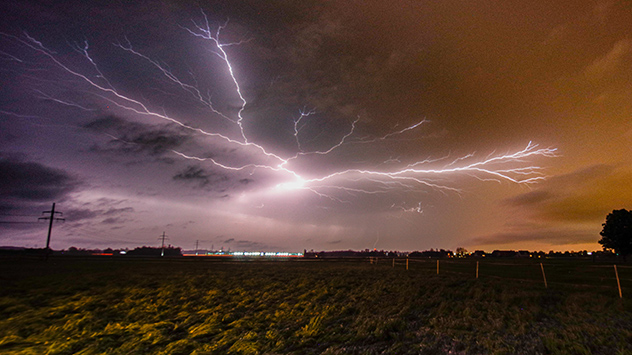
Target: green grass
point(130, 306)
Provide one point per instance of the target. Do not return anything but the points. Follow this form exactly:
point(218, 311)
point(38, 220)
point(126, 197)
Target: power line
point(17, 215)
point(17, 221)
point(9, 222)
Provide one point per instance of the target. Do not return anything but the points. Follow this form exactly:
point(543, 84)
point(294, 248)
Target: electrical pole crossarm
point(56, 212)
point(47, 218)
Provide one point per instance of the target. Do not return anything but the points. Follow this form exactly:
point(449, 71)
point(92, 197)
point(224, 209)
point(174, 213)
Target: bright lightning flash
point(292, 185)
point(512, 167)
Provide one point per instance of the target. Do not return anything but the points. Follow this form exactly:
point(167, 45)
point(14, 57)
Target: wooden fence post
point(616, 273)
point(437, 266)
point(477, 269)
point(406, 263)
point(543, 276)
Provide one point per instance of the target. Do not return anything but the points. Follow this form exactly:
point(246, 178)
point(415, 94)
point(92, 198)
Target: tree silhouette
point(617, 232)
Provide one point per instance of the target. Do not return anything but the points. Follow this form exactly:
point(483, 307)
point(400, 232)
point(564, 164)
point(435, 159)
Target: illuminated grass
point(109, 306)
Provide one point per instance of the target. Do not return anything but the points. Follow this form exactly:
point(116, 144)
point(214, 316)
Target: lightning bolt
point(393, 175)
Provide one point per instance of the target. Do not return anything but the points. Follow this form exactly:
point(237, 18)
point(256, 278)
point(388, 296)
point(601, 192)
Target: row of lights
point(260, 253)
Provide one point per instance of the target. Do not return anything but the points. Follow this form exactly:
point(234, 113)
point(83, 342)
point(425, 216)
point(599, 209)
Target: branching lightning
point(513, 167)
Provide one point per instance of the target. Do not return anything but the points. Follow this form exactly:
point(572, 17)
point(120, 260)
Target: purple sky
point(344, 124)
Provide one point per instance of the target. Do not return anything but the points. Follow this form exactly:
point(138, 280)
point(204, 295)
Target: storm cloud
point(133, 138)
point(23, 180)
point(202, 178)
point(586, 194)
point(334, 124)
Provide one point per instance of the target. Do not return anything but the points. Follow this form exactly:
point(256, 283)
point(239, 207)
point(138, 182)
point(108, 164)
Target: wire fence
point(544, 272)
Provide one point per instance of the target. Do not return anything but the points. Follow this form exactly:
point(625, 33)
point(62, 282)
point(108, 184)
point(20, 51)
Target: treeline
point(536, 254)
point(139, 251)
point(460, 253)
point(351, 254)
point(440, 253)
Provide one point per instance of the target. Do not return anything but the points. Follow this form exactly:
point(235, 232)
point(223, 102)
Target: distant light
point(590, 253)
point(251, 254)
point(267, 254)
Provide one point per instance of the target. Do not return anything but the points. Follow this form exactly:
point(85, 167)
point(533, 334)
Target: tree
point(617, 232)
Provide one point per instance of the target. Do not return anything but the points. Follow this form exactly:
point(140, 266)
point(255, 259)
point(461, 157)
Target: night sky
point(325, 125)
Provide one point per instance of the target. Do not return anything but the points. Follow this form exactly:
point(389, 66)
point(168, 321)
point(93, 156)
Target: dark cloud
point(203, 178)
point(133, 138)
point(84, 217)
point(30, 181)
point(251, 245)
point(103, 202)
point(113, 211)
point(582, 176)
point(113, 220)
point(530, 198)
point(553, 237)
point(5, 207)
point(27, 188)
point(574, 210)
point(78, 214)
point(586, 194)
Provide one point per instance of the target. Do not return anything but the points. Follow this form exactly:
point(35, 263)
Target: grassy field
point(183, 306)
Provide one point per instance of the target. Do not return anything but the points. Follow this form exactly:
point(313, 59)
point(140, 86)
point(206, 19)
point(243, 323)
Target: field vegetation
point(105, 305)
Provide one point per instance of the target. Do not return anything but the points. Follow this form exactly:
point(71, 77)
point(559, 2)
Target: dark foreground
point(123, 306)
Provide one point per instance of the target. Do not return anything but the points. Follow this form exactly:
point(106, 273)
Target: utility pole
point(163, 237)
point(196, 247)
point(51, 218)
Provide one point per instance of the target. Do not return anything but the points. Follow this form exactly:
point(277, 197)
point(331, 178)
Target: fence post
point(437, 266)
point(406, 263)
point(543, 276)
point(393, 262)
point(616, 273)
point(477, 269)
